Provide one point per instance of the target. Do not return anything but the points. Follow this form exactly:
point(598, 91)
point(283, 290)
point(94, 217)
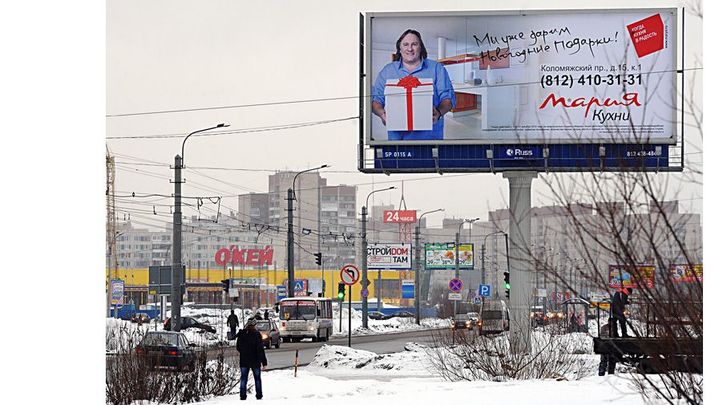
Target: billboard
point(518, 89)
point(117, 288)
point(441, 256)
point(396, 256)
point(683, 273)
point(543, 77)
point(625, 276)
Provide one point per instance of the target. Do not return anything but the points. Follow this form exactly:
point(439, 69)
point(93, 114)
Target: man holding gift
point(411, 71)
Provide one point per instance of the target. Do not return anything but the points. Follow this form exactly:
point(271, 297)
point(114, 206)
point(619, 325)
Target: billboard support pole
point(365, 281)
point(520, 202)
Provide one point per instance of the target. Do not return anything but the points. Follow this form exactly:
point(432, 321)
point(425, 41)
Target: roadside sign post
point(349, 275)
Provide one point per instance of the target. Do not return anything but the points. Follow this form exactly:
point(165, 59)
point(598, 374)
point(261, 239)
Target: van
point(494, 316)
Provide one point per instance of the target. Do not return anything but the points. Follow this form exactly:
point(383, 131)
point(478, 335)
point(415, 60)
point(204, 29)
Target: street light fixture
point(291, 233)
point(365, 281)
point(456, 251)
point(175, 295)
point(417, 278)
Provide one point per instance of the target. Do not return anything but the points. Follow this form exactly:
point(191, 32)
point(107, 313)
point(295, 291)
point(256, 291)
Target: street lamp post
point(291, 234)
point(365, 281)
point(418, 266)
point(456, 252)
point(177, 232)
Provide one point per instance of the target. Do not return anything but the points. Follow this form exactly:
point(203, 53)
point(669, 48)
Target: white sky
point(166, 55)
point(59, 58)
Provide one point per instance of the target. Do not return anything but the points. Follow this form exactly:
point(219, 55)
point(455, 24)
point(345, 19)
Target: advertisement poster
point(683, 273)
point(382, 256)
point(572, 76)
point(118, 291)
point(441, 256)
point(621, 276)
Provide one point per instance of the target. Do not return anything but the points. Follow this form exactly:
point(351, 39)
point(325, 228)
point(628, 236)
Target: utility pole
point(418, 266)
point(291, 234)
point(177, 271)
point(365, 280)
point(177, 247)
point(290, 247)
point(456, 261)
point(111, 226)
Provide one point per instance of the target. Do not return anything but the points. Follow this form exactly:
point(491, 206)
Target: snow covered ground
point(342, 375)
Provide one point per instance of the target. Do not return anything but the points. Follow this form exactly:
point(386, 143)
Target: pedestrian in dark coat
point(233, 323)
point(252, 356)
point(607, 362)
point(617, 307)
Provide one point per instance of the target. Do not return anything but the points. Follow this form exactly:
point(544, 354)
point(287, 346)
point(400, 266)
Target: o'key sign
point(349, 274)
point(455, 285)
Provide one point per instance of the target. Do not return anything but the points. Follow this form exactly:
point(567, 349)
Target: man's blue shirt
point(443, 90)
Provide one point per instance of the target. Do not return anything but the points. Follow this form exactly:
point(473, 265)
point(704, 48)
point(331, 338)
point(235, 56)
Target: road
point(386, 343)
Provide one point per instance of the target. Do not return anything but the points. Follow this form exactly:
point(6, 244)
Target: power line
point(316, 100)
point(237, 131)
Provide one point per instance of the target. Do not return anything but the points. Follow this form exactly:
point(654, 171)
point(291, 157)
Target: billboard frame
point(547, 155)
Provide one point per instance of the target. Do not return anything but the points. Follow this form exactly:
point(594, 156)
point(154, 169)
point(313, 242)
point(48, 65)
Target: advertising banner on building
point(683, 273)
point(441, 256)
point(624, 276)
point(382, 256)
point(117, 287)
point(521, 77)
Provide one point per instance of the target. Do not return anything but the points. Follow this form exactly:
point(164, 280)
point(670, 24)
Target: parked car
point(402, 314)
point(190, 322)
point(377, 315)
point(462, 321)
point(270, 333)
point(494, 317)
point(167, 350)
point(140, 317)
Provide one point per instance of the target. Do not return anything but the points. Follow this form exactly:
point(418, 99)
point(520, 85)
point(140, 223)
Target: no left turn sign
point(349, 274)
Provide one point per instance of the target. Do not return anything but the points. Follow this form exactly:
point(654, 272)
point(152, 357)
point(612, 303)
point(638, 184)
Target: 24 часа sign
point(555, 77)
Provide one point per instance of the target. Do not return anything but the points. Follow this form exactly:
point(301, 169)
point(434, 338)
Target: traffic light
point(226, 285)
point(507, 286)
point(318, 259)
point(341, 291)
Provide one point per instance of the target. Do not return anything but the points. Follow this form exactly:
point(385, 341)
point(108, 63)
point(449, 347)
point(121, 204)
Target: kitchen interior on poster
point(545, 77)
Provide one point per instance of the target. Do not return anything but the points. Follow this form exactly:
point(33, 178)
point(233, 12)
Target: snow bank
point(341, 360)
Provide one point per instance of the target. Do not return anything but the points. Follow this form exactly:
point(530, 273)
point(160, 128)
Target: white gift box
point(408, 104)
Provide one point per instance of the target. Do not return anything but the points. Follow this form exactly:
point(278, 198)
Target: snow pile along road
point(344, 361)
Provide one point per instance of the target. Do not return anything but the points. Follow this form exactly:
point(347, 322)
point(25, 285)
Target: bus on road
point(305, 317)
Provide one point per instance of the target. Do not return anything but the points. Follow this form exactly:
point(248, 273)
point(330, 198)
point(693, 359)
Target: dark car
point(463, 321)
point(402, 314)
point(167, 350)
point(376, 315)
point(140, 318)
point(270, 333)
point(189, 322)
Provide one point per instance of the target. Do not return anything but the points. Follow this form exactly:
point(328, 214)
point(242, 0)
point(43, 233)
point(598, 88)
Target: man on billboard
point(410, 60)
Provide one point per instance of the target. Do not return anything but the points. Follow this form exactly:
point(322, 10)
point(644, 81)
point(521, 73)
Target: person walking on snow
point(617, 307)
point(252, 356)
point(233, 322)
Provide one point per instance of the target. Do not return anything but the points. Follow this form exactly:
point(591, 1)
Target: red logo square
point(647, 35)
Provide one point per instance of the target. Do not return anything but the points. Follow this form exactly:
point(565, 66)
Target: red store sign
point(252, 257)
point(400, 216)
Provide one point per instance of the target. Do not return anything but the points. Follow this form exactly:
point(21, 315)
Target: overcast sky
point(170, 55)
